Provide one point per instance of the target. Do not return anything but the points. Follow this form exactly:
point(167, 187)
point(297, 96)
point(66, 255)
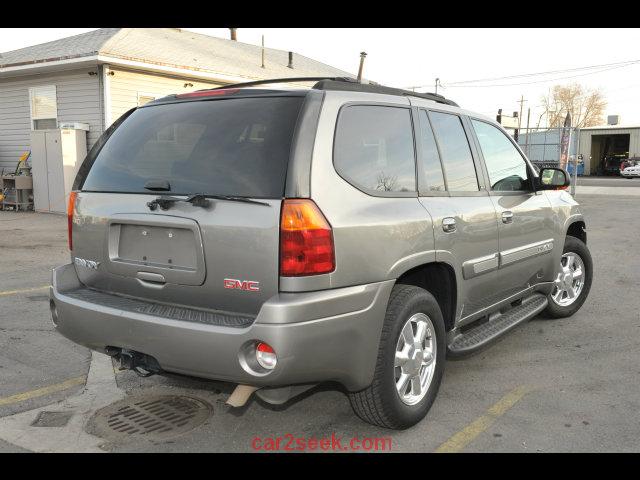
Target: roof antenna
point(362, 57)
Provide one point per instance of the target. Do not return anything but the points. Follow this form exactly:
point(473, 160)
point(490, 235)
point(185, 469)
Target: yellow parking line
point(471, 431)
point(24, 290)
point(21, 397)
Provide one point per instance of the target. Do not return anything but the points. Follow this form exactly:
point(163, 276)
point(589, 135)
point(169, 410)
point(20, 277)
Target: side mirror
point(553, 179)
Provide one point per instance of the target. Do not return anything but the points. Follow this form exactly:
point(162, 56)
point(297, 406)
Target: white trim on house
point(32, 68)
point(183, 72)
point(91, 60)
point(106, 95)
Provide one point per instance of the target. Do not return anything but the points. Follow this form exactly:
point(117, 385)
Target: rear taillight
point(306, 240)
point(70, 208)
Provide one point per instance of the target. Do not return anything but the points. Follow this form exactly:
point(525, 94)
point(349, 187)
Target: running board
point(477, 337)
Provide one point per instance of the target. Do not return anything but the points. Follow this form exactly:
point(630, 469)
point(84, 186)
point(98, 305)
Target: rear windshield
point(222, 147)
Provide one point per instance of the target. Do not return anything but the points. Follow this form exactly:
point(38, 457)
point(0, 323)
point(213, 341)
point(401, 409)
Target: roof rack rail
point(331, 84)
point(344, 84)
point(268, 81)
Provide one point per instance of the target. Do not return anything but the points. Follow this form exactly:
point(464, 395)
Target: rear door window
point(374, 148)
point(456, 152)
point(228, 147)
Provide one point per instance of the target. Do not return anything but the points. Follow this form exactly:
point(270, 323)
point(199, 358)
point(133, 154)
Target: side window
point(455, 151)
point(374, 148)
point(432, 168)
point(507, 169)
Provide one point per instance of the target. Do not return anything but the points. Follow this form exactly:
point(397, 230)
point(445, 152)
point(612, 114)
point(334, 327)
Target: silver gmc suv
point(278, 238)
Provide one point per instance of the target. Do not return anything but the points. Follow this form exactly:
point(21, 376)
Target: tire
point(381, 404)
point(556, 310)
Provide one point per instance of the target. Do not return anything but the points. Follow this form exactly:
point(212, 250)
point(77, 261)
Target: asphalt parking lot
point(567, 385)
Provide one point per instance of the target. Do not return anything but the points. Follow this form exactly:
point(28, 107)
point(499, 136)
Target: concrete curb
point(609, 191)
point(100, 390)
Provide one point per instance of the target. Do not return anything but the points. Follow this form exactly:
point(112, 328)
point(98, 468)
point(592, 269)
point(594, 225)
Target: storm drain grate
point(155, 417)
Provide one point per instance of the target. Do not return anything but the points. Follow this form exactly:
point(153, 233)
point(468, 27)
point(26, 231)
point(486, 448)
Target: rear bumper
point(330, 335)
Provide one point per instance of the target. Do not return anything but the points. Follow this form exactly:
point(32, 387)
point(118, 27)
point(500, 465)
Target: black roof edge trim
point(174, 98)
point(343, 84)
point(284, 80)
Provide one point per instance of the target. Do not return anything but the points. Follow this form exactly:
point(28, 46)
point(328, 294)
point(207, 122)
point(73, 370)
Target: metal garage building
point(596, 143)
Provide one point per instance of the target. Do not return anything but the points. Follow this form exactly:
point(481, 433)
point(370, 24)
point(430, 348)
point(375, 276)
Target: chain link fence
point(542, 146)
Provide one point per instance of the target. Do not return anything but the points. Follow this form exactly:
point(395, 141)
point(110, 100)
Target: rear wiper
point(233, 198)
point(197, 200)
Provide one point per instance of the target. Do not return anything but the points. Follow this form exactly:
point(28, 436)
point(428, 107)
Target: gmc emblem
point(247, 285)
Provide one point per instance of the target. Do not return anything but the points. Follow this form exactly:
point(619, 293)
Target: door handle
point(507, 217)
point(449, 224)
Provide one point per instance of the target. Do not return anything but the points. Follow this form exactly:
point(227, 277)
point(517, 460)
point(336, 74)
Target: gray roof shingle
point(83, 45)
point(175, 48)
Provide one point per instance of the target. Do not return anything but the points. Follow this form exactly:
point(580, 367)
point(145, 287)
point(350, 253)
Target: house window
point(44, 111)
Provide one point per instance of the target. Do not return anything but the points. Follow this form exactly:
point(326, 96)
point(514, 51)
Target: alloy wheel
point(570, 281)
point(415, 359)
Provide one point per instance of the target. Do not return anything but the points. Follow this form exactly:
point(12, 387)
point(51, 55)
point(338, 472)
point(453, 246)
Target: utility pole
point(262, 51)
point(527, 142)
point(521, 102)
point(578, 156)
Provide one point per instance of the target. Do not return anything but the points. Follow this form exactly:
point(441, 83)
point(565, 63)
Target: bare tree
point(586, 106)
point(386, 183)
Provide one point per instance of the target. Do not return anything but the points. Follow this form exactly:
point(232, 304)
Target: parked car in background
point(280, 238)
point(631, 169)
point(611, 165)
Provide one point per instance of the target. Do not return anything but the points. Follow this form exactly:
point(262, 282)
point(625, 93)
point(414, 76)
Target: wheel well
point(439, 279)
point(578, 230)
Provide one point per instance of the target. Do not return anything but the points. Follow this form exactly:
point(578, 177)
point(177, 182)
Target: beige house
point(95, 77)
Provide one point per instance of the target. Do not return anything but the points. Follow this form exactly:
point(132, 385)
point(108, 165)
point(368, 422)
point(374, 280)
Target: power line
point(628, 62)
point(604, 67)
point(539, 81)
